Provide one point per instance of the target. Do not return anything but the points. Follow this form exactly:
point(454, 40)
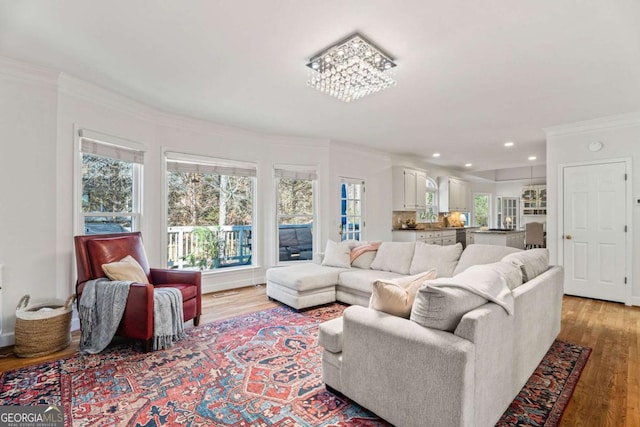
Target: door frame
point(628, 209)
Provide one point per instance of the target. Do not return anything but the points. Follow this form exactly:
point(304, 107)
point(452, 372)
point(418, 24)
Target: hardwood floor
point(608, 393)
point(608, 390)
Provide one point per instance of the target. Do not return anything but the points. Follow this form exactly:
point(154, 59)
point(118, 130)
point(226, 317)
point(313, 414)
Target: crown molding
point(12, 69)
point(608, 122)
point(73, 86)
point(361, 150)
point(206, 127)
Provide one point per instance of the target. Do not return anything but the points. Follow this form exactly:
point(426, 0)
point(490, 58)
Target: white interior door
point(594, 236)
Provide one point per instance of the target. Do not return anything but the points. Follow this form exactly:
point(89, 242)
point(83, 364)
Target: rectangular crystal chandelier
point(351, 69)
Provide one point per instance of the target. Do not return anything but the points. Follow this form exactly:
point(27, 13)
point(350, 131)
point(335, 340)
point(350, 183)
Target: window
point(481, 209)
point(295, 213)
point(430, 213)
point(110, 184)
point(210, 212)
point(351, 211)
point(508, 212)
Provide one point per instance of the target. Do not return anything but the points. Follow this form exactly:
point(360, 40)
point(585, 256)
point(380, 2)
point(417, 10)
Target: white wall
point(27, 187)
point(40, 110)
point(567, 144)
point(374, 168)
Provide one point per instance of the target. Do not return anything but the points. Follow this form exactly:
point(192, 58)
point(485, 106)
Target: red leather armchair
point(137, 322)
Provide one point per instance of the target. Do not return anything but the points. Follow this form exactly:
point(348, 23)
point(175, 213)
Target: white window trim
point(213, 161)
point(489, 209)
point(80, 133)
point(309, 172)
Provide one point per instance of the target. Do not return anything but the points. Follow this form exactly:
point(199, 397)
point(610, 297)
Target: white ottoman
point(303, 285)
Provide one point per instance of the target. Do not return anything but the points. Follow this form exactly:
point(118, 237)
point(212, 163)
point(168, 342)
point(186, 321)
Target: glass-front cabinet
point(534, 200)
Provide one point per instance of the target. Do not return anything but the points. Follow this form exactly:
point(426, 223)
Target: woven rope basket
point(42, 328)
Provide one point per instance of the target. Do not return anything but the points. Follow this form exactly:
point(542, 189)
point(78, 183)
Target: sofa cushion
point(394, 256)
point(443, 307)
point(330, 335)
point(363, 254)
point(482, 254)
point(363, 280)
point(396, 296)
point(337, 254)
point(364, 260)
point(441, 303)
point(532, 262)
point(443, 258)
point(304, 277)
point(511, 273)
point(127, 269)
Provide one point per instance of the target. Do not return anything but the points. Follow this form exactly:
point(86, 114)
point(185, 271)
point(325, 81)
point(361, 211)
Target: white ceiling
point(471, 75)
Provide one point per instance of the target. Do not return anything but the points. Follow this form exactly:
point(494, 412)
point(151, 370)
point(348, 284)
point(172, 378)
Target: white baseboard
point(232, 284)
point(7, 339)
point(635, 301)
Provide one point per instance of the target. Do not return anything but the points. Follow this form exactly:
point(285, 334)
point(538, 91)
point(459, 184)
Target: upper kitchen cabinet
point(454, 194)
point(534, 200)
point(409, 189)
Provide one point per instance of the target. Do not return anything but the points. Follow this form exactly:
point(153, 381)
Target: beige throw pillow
point(396, 296)
point(127, 270)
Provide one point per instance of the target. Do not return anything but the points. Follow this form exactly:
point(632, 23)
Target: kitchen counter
point(433, 228)
point(496, 231)
point(512, 238)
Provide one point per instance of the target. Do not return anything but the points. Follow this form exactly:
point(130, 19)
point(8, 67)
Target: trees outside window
point(481, 209)
point(110, 182)
point(210, 211)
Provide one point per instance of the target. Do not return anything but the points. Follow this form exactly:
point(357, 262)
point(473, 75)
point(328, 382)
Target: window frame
point(113, 142)
point(293, 171)
point(431, 187)
point(361, 232)
point(207, 160)
point(489, 197)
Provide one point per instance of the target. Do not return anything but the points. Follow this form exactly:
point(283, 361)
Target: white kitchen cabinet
point(534, 200)
point(470, 236)
point(454, 194)
point(433, 237)
point(409, 189)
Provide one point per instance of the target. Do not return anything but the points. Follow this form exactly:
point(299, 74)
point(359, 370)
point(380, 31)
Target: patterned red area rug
point(261, 369)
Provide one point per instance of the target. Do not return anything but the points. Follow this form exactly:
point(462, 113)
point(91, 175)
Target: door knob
point(568, 237)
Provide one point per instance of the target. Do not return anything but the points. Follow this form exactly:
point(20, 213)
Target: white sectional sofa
point(448, 364)
point(310, 284)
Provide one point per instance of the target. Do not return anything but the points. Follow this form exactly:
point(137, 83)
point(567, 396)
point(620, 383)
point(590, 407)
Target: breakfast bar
point(500, 237)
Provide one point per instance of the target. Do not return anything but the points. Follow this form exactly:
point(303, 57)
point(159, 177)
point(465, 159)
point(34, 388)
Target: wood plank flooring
point(608, 393)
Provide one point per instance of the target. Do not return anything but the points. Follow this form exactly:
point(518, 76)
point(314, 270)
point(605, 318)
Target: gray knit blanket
point(102, 305)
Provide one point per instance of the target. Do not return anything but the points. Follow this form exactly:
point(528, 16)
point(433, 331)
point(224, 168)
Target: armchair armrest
point(161, 276)
point(408, 374)
point(137, 319)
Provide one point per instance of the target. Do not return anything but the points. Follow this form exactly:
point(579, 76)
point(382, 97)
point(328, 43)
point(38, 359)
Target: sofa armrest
point(161, 276)
point(407, 374)
point(318, 257)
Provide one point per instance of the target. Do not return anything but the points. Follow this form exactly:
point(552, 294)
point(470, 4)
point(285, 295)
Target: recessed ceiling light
point(509, 144)
point(468, 165)
point(532, 157)
point(436, 154)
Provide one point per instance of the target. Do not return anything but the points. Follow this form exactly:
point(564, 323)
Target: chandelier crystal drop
point(351, 69)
